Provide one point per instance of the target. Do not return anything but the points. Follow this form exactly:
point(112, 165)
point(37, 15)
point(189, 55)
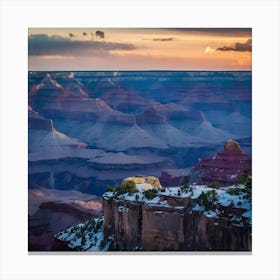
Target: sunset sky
point(139, 49)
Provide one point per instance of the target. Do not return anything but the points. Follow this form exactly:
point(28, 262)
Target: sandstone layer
point(170, 223)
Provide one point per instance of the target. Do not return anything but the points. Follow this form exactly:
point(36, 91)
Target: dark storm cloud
point(238, 47)
point(99, 34)
point(230, 32)
point(163, 39)
point(42, 44)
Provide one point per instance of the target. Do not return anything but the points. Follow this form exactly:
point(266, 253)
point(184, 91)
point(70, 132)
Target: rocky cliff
point(178, 219)
point(50, 211)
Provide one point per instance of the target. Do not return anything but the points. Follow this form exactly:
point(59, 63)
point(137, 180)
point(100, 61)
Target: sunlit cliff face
point(139, 49)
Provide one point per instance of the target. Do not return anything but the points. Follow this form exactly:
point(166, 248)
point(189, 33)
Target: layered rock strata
point(227, 167)
point(174, 222)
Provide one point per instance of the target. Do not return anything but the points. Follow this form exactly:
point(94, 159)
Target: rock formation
point(226, 167)
point(37, 122)
point(175, 220)
point(231, 145)
point(50, 211)
point(151, 182)
point(169, 118)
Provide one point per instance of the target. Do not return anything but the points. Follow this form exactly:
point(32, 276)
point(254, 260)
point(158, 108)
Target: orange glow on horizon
point(142, 49)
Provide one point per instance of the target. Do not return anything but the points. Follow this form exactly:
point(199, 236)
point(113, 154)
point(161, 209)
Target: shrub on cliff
point(126, 187)
point(235, 191)
point(207, 200)
point(150, 194)
point(109, 189)
point(246, 180)
point(185, 188)
point(214, 184)
point(113, 246)
point(83, 241)
point(102, 244)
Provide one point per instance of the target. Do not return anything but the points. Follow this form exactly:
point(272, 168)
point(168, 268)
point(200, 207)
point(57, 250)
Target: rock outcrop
point(50, 211)
point(141, 181)
point(226, 167)
point(174, 221)
point(162, 228)
point(37, 122)
point(124, 221)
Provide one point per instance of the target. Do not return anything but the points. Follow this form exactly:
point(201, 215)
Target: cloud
point(238, 47)
point(209, 50)
point(229, 32)
point(163, 39)
point(99, 34)
point(42, 44)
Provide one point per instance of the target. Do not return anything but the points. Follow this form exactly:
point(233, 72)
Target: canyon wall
point(174, 226)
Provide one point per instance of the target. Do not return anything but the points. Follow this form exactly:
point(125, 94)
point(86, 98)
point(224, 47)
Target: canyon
point(88, 130)
point(186, 218)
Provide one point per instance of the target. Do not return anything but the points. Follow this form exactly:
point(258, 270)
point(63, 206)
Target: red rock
point(173, 227)
point(226, 167)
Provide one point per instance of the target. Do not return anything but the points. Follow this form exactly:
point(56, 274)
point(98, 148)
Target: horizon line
point(154, 70)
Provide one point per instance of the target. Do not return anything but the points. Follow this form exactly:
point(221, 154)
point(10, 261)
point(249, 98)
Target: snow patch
point(122, 209)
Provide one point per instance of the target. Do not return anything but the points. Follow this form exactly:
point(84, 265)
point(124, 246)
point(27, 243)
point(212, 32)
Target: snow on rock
point(224, 197)
point(210, 214)
point(122, 209)
point(248, 215)
point(179, 215)
point(90, 236)
point(86, 236)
